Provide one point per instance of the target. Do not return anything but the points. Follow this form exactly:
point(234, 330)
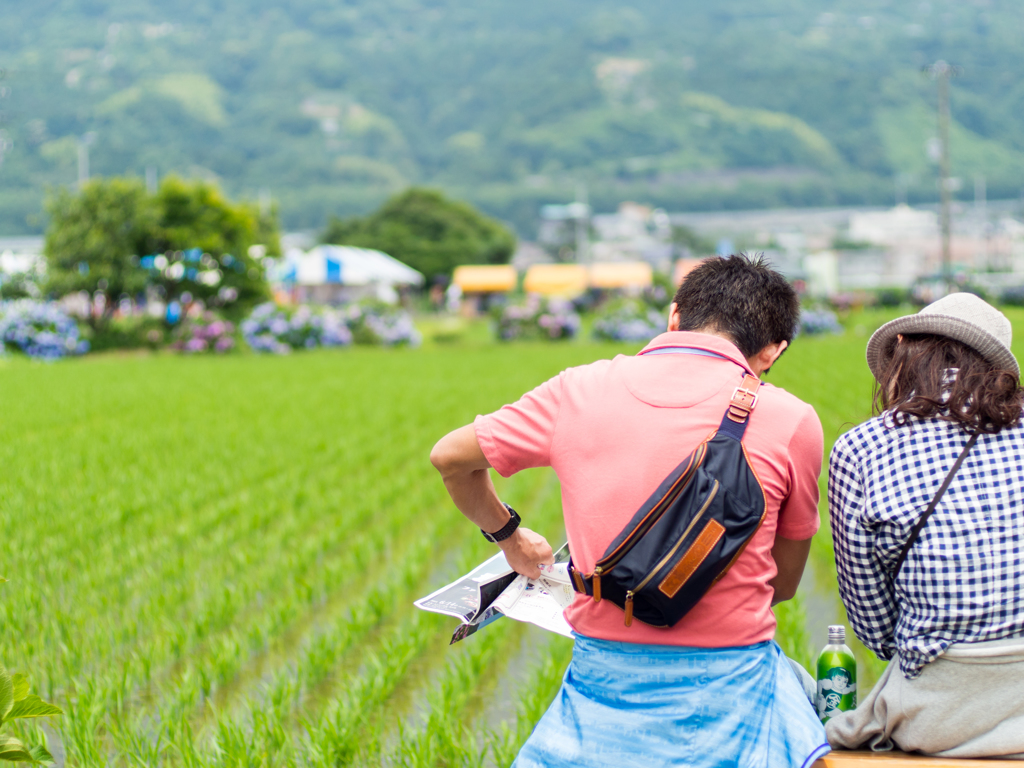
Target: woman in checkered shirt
point(947, 607)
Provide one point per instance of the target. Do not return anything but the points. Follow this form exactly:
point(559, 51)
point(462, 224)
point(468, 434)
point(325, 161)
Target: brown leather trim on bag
point(694, 556)
point(578, 579)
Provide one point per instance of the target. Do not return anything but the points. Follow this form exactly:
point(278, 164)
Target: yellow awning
point(556, 279)
point(485, 278)
point(621, 274)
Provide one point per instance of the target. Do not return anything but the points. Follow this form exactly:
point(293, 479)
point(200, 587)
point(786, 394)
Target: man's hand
point(525, 550)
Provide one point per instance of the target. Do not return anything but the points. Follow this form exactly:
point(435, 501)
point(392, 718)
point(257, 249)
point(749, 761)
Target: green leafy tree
point(15, 703)
point(95, 237)
point(427, 231)
point(113, 238)
point(205, 240)
point(195, 214)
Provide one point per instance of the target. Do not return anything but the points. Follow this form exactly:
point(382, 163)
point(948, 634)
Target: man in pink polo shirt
point(714, 689)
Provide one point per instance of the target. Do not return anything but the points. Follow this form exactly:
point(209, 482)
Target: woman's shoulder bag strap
point(933, 505)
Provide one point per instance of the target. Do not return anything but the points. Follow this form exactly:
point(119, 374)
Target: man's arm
point(790, 558)
point(865, 588)
point(798, 515)
point(466, 474)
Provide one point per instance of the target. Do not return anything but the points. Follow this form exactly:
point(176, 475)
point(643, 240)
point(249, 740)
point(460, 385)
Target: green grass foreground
point(212, 560)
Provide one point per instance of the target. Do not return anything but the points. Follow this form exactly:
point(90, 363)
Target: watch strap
point(506, 530)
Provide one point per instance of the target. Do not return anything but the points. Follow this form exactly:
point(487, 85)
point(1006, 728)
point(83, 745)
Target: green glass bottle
point(837, 676)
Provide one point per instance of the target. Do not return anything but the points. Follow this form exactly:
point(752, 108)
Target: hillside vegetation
point(331, 107)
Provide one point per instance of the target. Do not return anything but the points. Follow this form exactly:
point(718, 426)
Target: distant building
point(822, 270)
point(908, 245)
point(874, 247)
point(21, 256)
point(527, 254)
point(895, 225)
point(634, 233)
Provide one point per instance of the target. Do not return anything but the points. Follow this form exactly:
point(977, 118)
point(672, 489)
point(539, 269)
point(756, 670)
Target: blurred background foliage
point(427, 231)
point(333, 107)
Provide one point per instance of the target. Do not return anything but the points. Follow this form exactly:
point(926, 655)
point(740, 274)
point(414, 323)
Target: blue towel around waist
point(625, 704)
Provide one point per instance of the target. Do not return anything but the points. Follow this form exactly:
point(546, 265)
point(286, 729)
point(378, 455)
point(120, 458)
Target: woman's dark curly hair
point(982, 398)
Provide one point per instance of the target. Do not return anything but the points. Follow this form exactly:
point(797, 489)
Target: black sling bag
point(689, 532)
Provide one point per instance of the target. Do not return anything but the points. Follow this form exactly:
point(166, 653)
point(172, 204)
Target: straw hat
point(960, 316)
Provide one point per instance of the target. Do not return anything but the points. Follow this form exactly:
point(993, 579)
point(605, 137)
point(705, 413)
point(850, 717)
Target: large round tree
point(427, 231)
point(114, 238)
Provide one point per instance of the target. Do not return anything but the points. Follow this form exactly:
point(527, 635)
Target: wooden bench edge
point(845, 759)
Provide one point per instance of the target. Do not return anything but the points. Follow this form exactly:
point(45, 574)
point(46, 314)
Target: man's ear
point(765, 359)
point(673, 317)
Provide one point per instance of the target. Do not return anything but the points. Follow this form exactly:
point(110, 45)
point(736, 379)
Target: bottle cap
point(837, 634)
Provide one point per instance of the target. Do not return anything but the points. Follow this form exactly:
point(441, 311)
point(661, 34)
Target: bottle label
point(837, 692)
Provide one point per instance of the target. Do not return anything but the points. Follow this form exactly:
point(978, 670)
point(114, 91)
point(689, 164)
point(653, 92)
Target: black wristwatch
point(507, 530)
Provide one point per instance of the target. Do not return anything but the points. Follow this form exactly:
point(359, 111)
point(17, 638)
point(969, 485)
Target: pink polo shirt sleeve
point(519, 435)
point(798, 513)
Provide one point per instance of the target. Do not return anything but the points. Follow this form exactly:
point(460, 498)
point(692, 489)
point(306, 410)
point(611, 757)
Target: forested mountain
point(333, 104)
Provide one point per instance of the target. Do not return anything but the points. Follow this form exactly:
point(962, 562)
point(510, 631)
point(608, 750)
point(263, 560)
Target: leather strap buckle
point(744, 398)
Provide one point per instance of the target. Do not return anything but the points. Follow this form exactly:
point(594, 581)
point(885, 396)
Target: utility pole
point(981, 216)
point(942, 71)
point(901, 182)
point(4, 93)
point(84, 142)
point(580, 212)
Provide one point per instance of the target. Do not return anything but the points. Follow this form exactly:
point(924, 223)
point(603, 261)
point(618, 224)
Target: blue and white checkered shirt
point(963, 580)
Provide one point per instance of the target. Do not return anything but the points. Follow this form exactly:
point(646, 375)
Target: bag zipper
point(607, 563)
point(661, 564)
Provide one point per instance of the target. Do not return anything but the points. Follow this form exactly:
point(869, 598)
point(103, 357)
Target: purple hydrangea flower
point(537, 318)
point(628, 320)
point(40, 329)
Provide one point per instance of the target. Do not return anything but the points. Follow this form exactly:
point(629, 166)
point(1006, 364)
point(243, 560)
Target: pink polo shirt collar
point(704, 341)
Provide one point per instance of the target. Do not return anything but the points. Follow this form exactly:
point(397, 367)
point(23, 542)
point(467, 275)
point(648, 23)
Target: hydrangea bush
point(266, 329)
point(272, 329)
point(378, 323)
point(40, 329)
point(814, 322)
point(538, 318)
point(628, 320)
point(205, 334)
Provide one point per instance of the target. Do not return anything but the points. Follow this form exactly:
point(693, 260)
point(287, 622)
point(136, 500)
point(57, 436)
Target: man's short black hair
point(741, 297)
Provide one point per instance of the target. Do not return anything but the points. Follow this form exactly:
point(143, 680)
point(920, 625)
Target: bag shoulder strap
point(744, 398)
point(931, 507)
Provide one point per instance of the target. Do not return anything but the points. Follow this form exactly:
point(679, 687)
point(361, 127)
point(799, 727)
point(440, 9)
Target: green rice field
point(212, 561)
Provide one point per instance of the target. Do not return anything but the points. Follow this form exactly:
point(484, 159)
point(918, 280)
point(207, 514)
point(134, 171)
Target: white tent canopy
point(346, 265)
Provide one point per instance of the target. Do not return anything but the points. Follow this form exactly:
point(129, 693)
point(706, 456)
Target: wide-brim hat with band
point(961, 316)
